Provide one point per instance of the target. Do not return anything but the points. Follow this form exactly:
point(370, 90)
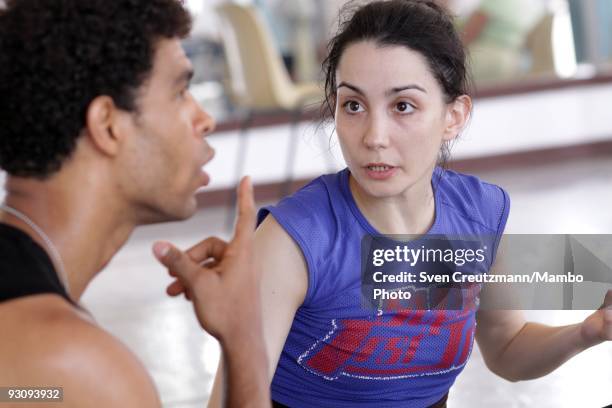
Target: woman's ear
point(457, 114)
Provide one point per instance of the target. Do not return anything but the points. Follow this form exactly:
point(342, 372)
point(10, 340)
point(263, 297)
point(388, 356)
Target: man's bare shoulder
point(50, 343)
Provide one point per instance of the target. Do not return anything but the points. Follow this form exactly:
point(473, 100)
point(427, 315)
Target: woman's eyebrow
point(405, 88)
point(351, 87)
point(388, 93)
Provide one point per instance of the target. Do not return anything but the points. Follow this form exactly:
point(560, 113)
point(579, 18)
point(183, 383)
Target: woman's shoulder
point(472, 198)
point(316, 202)
point(310, 218)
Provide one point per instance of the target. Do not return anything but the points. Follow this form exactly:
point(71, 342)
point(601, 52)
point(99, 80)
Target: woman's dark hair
point(56, 56)
point(420, 25)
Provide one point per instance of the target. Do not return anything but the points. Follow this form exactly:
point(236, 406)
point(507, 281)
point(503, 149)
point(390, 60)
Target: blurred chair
point(539, 44)
point(259, 82)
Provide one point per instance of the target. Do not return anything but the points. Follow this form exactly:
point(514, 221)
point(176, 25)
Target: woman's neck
point(411, 213)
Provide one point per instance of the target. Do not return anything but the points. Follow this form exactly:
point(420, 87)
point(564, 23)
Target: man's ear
point(104, 125)
point(457, 114)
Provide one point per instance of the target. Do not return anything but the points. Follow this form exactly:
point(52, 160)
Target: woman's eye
point(353, 107)
point(404, 107)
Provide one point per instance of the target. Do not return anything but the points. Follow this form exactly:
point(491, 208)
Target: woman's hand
point(598, 327)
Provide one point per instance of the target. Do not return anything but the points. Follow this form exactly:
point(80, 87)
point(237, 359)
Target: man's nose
point(204, 124)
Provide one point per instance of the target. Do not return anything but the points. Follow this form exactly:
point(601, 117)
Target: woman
point(396, 86)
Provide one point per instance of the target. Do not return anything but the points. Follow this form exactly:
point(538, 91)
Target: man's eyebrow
point(184, 77)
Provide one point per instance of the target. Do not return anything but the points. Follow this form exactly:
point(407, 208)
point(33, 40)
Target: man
point(99, 134)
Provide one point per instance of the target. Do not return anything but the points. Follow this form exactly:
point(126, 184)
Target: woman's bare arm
point(283, 288)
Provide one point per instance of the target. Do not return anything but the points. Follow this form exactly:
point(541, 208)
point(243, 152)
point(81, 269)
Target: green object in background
point(509, 21)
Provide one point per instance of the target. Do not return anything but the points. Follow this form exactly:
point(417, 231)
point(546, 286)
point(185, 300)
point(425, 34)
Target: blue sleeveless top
point(340, 354)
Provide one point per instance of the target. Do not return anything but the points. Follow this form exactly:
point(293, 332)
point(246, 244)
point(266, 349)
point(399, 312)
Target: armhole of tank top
point(302, 244)
point(501, 225)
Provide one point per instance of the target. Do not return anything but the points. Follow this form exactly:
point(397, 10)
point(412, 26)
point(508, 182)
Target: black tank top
point(25, 267)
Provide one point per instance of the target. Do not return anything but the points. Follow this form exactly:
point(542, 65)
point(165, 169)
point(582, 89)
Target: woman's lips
point(380, 171)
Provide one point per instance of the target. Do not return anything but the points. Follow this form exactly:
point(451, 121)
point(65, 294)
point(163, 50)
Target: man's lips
point(205, 178)
point(203, 174)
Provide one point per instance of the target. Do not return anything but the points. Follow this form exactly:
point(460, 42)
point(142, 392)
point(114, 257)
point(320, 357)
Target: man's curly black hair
point(56, 56)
